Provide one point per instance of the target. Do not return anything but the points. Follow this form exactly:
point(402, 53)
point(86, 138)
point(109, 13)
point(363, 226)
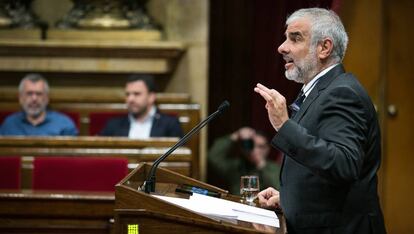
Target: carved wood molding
point(91, 95)
point(156, 57)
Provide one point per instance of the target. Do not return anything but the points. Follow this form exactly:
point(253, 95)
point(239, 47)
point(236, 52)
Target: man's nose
point(128, 98)
point(282, 49)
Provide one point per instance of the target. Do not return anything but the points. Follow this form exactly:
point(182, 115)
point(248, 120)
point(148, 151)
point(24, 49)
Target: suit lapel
point(125, 125)
point(323, 82)
point(155, 128)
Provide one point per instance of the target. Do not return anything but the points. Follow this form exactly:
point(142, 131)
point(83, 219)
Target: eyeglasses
point(33, 93)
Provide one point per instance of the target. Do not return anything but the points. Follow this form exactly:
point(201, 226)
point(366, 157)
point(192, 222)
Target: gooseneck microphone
point(149, 183)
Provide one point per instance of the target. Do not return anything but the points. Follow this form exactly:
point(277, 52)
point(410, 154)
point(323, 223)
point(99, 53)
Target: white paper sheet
point(202, 208)
point(244, 212)
point(226, 209)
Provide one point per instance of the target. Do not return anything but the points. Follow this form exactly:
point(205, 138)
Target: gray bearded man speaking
point(331, 142)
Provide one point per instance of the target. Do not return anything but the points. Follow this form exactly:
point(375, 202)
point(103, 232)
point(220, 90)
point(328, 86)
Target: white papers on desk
point(221, 208)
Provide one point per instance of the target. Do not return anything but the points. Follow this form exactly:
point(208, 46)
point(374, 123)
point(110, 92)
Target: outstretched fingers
point(270, 95)
point(264, 92)
point(275, 105)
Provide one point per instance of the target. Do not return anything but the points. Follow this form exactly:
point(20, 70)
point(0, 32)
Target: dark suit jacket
point(332, 153)
point(162, 126)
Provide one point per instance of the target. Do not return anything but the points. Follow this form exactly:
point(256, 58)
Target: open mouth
point(289, 62)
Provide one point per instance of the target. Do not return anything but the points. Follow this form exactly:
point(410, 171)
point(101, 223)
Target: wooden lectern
point(139, 212)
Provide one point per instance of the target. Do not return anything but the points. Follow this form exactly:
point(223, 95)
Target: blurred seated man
point(143, 120)
point(244, 152)
point(35, 119)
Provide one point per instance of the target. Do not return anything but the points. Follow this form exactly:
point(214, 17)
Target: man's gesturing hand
point(275, 105)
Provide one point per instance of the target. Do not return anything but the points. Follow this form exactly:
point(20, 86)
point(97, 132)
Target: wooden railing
point(136, 151)
point(26, 211)
point(8, 94)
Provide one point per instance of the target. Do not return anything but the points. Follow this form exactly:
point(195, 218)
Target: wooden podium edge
point(210, 224)
point(130, 201)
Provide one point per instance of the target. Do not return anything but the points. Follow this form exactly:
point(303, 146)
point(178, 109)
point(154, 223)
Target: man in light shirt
point(143, 120)
point(331, 142)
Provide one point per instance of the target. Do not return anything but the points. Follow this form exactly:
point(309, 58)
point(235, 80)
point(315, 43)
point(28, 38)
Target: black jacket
point(162, 126)
point(332, 154)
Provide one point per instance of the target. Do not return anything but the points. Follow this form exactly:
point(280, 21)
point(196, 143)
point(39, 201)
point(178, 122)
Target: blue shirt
point(54, 124)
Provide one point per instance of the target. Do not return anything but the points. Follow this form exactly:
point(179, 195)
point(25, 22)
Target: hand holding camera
point(252, 145)
point(244, 136)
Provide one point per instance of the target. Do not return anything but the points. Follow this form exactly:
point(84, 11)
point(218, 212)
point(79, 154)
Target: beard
point(138, 112)
point(304, 69)
point(34, 110)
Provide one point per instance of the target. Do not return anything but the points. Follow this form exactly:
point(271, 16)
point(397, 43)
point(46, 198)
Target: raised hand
point(275, 105)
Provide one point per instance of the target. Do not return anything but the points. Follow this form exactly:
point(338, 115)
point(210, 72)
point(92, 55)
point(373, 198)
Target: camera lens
point(247, 144)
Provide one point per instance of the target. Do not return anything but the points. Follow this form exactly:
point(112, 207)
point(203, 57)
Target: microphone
point(149, 184)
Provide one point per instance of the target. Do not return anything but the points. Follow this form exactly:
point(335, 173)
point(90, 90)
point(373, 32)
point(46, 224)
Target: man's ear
point(152, 97)
point(325, 48)
point(47, 99)
point(20, 97)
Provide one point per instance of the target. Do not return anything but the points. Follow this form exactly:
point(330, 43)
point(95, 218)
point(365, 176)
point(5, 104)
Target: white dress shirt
point(141, 129)
point(307, 88)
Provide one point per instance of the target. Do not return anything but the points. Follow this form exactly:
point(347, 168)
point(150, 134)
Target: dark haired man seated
point(143, 120)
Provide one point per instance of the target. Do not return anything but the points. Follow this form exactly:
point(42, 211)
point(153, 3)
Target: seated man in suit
point(35, 119)
point(143, 120)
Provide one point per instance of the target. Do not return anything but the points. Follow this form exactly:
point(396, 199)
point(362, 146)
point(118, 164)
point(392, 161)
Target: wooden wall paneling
point(399, 173)
point(381, 55)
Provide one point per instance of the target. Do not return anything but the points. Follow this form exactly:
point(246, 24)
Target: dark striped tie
point(295, 106)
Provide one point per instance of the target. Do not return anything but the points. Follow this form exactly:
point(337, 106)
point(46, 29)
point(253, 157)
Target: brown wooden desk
point(25, 211)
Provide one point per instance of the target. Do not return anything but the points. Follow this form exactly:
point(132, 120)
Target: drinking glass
point(249, 188)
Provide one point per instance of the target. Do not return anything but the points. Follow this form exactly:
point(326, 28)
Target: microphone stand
point(149, 184)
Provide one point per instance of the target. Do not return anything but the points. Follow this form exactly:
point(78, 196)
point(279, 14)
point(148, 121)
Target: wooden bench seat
point(26, 211)
point(91, 117)
point(136, 151)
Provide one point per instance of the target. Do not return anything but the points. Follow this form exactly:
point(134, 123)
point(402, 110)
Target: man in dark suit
point(332, 140)
point(143, 120)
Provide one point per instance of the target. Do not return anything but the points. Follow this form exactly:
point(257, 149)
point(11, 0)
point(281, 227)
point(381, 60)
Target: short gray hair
point(33, 77)
point(324, 23)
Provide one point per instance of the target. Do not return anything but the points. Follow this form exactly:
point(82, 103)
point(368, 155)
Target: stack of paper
point(228, 210)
